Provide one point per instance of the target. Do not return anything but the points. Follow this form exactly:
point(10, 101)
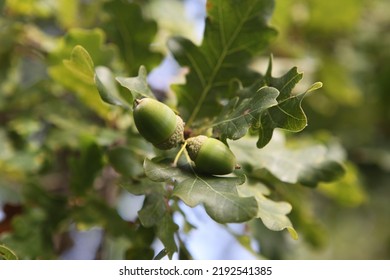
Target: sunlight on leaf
point(286, 83)
point(315, 86)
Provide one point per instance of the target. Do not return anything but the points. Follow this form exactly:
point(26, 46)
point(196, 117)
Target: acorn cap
point(175, 139)
point(210, 155)
point(194, 144)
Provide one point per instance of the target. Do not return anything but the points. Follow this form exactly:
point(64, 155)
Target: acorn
point(158, 123)
point(210, 155)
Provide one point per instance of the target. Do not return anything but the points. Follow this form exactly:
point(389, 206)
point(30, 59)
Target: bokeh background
point(43, 124)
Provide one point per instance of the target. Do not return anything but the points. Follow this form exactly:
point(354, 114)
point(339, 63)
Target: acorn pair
point(159, 124)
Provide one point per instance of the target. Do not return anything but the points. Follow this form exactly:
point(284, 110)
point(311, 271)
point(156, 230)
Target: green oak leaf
point(308, 165)
point(153, 209)
point(155, 213)
point(165, 231)
point(132, 33)
point(138, 86)
point(219, 195)
point(286, 83)
point(86, 48)
point(243, 113)
point(272, 213)
point(108, 91)
point(288, 113)
point(234, 33)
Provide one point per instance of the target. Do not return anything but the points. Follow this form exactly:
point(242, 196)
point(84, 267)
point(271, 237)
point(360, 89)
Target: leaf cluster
point(69, 142)
point(223, 97)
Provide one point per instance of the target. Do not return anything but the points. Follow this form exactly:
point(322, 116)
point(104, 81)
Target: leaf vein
point(219, 63)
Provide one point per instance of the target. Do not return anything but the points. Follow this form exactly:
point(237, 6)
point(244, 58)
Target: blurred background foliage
point(59, 144)
point(345, 45)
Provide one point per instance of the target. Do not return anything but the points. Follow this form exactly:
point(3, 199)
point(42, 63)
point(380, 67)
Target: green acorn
point(157, 123)
point(210, 155)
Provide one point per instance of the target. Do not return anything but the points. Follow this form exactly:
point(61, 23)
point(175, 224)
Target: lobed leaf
point(234, 33)
point(272, 213)
point(244, 113)
point(288, 113)
point(165, 230)
point(155, 213)
point(153, 210)
point(219, 195)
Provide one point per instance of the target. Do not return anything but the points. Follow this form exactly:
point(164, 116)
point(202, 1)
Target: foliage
point(69, 146)
point(7, 254)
